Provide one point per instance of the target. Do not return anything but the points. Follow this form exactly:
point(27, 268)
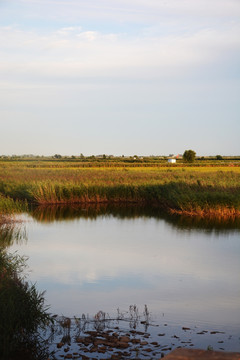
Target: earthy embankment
point(192, 191)
point(190, 354)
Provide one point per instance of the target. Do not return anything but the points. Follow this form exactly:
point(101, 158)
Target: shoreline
point(220, 212)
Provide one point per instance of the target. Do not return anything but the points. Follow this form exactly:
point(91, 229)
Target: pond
point(106, 258)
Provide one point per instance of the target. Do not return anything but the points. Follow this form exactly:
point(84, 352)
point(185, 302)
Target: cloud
point(127, 60)
point(135, 10)
point(174, 37)
point(67, 30)
point(70, 52)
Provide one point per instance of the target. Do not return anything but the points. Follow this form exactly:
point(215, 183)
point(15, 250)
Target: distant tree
point(57, 156)
point(219, 157)
point(189, 155)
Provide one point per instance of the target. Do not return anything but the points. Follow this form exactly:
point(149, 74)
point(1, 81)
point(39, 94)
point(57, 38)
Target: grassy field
point(212, 189)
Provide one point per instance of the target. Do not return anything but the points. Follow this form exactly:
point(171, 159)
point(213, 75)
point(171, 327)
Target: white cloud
point(72, 52)
point(88, 35)
point(132, 59)
point(68, 30)
point(138, 10)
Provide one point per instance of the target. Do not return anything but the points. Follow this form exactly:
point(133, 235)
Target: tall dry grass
point(185, 189)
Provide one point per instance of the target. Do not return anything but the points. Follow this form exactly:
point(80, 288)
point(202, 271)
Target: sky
point(119, 77)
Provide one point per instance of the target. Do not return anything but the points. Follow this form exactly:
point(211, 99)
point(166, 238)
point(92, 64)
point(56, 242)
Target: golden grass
point(195, 190)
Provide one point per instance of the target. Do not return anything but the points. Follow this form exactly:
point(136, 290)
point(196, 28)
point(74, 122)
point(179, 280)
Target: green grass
point(186, 189)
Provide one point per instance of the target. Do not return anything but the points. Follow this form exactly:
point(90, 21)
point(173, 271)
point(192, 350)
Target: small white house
point(172, 161)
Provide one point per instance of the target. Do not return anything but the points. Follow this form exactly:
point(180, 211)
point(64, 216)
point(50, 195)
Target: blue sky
point(119, 77)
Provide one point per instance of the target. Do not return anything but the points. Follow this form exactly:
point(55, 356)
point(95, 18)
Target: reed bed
point(10, 206)
point(189, 190)
point(22, 311)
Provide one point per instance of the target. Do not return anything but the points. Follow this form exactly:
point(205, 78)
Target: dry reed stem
point(217, 213)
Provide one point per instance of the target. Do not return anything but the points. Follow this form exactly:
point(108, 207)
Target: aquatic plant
point(22, 311)
point(11, 231)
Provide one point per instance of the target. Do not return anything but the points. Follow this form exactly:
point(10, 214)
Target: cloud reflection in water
point(87, 265)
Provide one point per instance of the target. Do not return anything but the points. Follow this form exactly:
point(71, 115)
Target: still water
point(186, 271)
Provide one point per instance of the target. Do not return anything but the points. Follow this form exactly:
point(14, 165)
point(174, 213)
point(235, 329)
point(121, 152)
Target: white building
point(172, 161)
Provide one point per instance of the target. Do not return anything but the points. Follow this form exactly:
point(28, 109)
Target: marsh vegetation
point(22, 311)
point(202, 191)
point(66, 190)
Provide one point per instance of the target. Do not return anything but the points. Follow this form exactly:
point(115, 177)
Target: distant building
point(172, 161)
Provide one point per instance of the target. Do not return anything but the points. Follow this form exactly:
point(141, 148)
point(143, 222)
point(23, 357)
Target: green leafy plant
point(189, 156)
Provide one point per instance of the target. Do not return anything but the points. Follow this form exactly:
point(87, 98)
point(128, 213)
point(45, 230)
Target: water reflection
point(123, 211)
point(107, 257)
point(11, 232)
point(103, 257)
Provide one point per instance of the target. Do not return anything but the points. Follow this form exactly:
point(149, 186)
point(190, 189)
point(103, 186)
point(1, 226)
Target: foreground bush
point(22, 312)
